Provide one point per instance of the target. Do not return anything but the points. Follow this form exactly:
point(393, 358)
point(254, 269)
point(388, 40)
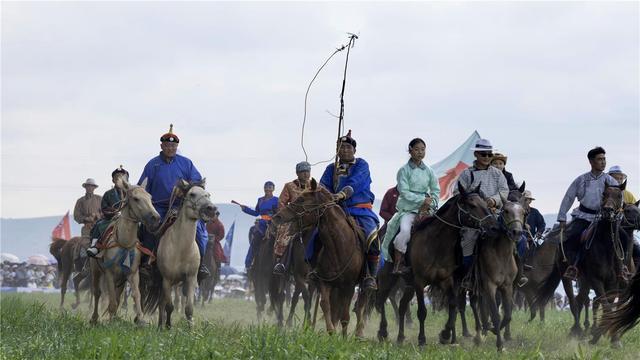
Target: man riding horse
point(265, 208)
point(494, 187)
point(350, 185)
point(289, 193)
point(162, 173)
point(111, 202)
point(588, 188)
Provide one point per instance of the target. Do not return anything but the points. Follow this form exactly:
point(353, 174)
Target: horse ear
point(314, 184)
point(623, 185)
point(477, 189)
point(144, 182)
point(637, 203)
point(203, 182)
point(521, 189)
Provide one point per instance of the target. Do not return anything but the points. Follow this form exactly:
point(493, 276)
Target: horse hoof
point(74, 306)
point(422, 342)
point(616, 344)
point(466, 334)
point(477, 340)
point(507, 338)
point(444, 337)
point(400, 340)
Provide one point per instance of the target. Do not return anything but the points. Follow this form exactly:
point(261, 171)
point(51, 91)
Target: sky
point(89, 86)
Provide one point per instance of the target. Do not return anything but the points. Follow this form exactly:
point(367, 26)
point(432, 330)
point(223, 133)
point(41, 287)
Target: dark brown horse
point(340, 261)
point(627, 313)
point(435, 255)
point(207, 285)
point(262, 268)
point(68, 254)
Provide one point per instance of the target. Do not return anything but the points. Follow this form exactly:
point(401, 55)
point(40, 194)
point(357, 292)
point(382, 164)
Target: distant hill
point(26, 237)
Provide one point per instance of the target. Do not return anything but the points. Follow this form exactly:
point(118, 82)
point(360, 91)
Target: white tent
point(9, 257)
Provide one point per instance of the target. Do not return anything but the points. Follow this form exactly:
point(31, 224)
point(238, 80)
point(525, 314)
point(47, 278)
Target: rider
point(110, 206)
point(419, 193)
point(87, 209)
point(162, 173)
point(617, 173)
point(215, 231)
point(588, 188)
point(535, 220)
point(493, 185)
point(265, 208)
point(289, 193)
point(350, 185)
point(499, 161)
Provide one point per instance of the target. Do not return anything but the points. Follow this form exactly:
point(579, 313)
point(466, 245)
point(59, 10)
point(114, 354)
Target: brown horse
point(340, 261)
point(627, 313)
point(435, 255)
point(262, 269)
point(120, 260)
point(207, 285)
point(68, 254)
point(495, 271)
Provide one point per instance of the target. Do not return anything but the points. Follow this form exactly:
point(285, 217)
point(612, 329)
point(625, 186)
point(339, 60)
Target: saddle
point(588, 233)
point(172, 215)
point(107, 242)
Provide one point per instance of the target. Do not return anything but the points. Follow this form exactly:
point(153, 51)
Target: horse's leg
point(96, 293)
point(601, 299)
point(507, 310)
point(134, 282)
point(448, 334)
point(168, 307)
point(402, 309)
point(576, 330)
point(111, 291)
point(490, 296)
point(542, 314)
point(422, 313)
point(475, 304)
point(190, 284)
point(361, 305)
point(462, 304)
point(385, 286)
point(294, 302)
point(325, 304)
point(76, 286)
point(63, 285)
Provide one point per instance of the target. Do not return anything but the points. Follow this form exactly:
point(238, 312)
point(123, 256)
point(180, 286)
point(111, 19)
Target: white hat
point(616, 169)
point(90, 182)
point(483, 145)
point(527, 195)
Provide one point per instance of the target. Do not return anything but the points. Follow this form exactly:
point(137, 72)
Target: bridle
point(478, 222)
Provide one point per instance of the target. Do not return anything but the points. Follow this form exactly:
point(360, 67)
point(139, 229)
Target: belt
point(265, 217)
point(587, 210)
point(363, 206)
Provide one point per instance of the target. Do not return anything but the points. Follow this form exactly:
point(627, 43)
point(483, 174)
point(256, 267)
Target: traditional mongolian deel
point(588, 188)
point(492, 183)
point(265, 208)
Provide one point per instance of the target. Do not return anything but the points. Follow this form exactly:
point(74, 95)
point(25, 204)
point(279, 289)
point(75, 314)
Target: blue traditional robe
point(265, 208)
point(357, 176)
point(162, 174)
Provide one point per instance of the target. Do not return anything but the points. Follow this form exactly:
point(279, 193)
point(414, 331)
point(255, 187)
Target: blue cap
point(303, 166)
point(269, 183)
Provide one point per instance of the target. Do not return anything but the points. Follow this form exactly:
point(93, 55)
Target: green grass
point(33, 328)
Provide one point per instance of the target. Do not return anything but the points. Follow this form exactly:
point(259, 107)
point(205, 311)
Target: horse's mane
point(429, 219)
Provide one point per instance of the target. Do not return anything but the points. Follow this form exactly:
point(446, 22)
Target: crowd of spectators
point(28, 275)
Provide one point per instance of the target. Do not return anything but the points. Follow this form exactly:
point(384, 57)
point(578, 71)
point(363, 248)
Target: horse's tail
point(150, 288)
point(627, 315)
point(547, 288)
point(55, 249)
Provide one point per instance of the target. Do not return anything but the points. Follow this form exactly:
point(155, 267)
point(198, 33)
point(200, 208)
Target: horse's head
point(631, 216)
point(512, 220)
point(474, 210)
point(612, 201)
point(196, 201)
point(138, 201)
point(305, 211)
point(517, 195)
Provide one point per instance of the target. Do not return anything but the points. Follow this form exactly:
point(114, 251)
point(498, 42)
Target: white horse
point(120, 260)
point(178, 255)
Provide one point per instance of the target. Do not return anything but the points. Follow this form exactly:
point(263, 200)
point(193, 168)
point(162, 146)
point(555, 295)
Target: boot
point(399, 267)
point(279, 268)
point(93, 250)
point(203, 272)
point(522, 280)
point(371, 269)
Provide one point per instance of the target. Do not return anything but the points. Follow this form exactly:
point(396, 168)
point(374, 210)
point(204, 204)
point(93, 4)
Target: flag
point(63, 229)
point(228, 242)
point(448, 169)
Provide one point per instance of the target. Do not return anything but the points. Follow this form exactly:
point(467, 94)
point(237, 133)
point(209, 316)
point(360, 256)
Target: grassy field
point(33, 328)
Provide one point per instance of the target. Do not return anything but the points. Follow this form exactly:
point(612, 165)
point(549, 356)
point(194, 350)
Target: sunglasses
point(485, 154)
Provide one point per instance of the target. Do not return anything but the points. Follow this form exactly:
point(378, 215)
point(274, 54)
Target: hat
point(90, 182)
point(269, 183)
point(347, 139)
point(119, 170)
point(483, 145)
point(170, 136)
point(527, 195)
point(499, 156)
point(303, 166)
point(616, 169)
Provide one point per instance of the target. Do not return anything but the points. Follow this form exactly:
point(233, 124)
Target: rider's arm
point(569, 198)
point(434, 188)
point(503, 191)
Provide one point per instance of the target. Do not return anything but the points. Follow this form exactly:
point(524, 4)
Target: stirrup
point(522, 281)
point(369, 283)
point(571, 273)
point(279, 269)
point(625, 274)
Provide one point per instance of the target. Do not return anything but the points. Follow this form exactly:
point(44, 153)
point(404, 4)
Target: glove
point(339, 196)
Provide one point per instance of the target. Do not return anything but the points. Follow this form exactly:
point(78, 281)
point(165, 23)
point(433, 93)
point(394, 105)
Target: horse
point(120, 259)
point(68, 253)
point(342, 256)
point(627, 313)
point(178, 257)
point(207, 286)
point(262, 267)
point(495, 271)
point(435, 256)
